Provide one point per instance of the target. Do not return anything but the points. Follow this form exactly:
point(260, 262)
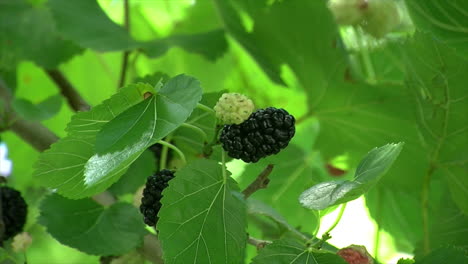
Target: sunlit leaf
point(210, 230)
point(62, 166)
point(372, 167)
point(91, 228)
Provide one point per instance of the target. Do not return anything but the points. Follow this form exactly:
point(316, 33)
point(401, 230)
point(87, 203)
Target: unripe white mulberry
point(233, 108)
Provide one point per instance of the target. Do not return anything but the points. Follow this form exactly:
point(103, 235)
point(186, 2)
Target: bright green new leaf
point(447, 20)
point(76, 223)
point(293, 252)
point(372, 167)
point(38, 112)
point(446, 254)
point(203, 218)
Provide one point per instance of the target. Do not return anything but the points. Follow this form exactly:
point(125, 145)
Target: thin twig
point(123, 69)
point(258, 243)
point(74, 99)
point(261, 182)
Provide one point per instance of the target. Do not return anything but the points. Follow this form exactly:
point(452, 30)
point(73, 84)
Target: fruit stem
point(199, 130)
point(338, 218)
point(205, 108)
point(166, 146)
point(364, 50)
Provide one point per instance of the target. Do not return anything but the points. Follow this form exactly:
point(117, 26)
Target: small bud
point(233, 108)
point(380, 18)
point(348, 12)
point(21, 242)
point(355, 254)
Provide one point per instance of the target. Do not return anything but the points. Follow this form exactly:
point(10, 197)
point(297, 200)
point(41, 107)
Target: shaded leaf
point(272, 42)
point(292, 252)
point(446, 20)
point(211, 45)
point(26, 32)
point(38, 112)
point(113, 231)
point(210, 230)
point(136, 175)
point(94, 30)
point(447, 254)
point(372, 167)
point(294, 171)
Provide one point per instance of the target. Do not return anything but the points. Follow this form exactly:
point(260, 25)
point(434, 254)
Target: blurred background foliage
point(349, 91)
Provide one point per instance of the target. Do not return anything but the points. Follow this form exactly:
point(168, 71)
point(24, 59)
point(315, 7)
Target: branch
point(36, 134)
point(123, 70)
point(76, 102)
point(261, 182)
point(258, 243)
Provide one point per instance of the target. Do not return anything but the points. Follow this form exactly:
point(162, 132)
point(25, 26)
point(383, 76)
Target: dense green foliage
point(381, 110)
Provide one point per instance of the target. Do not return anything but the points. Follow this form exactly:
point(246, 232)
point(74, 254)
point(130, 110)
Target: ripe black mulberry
point(264, 133)
point(14, 211)
point(152, 194)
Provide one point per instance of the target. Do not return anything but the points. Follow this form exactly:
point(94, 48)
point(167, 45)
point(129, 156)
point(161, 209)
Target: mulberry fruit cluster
point(233, 108)
point(264, 133)
point(14, 211)
point(152, 194)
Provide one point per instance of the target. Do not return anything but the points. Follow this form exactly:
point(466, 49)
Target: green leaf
point(446, 20)
point(308, 43)
point(133, 127)
point(258, 208)
point(372, 167)
point(292, 252)
point(211, 45)
point(94, 30)
point(136, 174)
point(175, 103)
point(91, 228)
point(190, 141)
point(438, 88)
point(293, 171)
point(38, 112)
point(447, 254)
point(62, 166)
point(26, 32)
point(203, 212)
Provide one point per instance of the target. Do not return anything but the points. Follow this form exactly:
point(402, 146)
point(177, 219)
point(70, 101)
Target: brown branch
point(123, 70)
point(258, 243)
point(261, 182)
point(74, 99)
